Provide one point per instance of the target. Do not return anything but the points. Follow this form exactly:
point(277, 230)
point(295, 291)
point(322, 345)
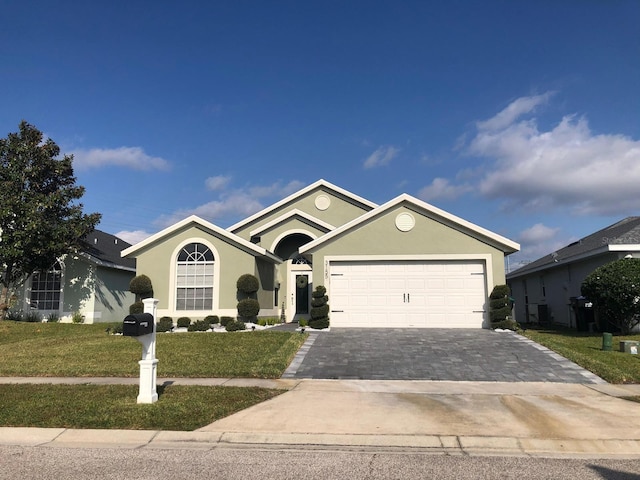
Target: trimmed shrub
point(141, 287)
point(320, 311)
point(137, 307)
point(303, 322)
point(32, 317)
point(165, 324)
point(262, 322)
point(235, 325)
point(117, 329)
point(506, 325)
point(499, 304)
point(212, 319)
point(224, 321)
point(183, 322)
point(77, 317)
point(53, 318)
point(198, 326)
point(248, 307)
point(247, 284)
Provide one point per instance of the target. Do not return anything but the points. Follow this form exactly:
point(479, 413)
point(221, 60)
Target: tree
point(614, 289)
point(40, 219)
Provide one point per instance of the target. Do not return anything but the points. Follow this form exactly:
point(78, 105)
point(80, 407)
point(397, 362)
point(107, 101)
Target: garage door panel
point(408, 294)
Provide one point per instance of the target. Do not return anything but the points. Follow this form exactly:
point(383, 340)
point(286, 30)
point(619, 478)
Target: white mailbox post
point(143, 328)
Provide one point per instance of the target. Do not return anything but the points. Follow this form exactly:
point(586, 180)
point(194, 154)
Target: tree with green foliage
point(614, 289)
point(40, 218)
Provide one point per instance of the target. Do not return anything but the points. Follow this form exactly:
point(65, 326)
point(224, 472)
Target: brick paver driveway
point(432, 354)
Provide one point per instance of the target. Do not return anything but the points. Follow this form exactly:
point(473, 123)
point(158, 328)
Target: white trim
point(286, 216)
point(172, 277)
point(299, 193)
point(212, 229)
point(450, 220)
point(290, 232)
point(290, 306)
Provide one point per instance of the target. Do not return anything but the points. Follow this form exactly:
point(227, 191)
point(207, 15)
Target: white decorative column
point(149, 363)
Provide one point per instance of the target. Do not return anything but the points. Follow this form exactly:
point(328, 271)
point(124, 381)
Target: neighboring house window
point(45, 289)
point(194, 280)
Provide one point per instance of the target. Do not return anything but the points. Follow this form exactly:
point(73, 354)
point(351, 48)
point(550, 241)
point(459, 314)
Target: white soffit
point(299, 193)
point(448, 218)
point(295, 212)
point(194, 219)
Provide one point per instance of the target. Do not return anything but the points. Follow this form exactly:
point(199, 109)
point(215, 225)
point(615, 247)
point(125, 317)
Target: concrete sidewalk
point(476, 418)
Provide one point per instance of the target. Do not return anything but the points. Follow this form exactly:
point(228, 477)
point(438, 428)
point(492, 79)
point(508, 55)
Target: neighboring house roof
point(620, 237)
point(104, 249)
point(209, 228)
point(429, 211)
point(320, 183)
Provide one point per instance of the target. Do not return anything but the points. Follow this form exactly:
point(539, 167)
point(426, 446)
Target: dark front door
point(302, 294)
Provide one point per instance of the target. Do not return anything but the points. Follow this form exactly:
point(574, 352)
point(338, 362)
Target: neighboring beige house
point(401, 264)
point(94, 283)
point(548, 289)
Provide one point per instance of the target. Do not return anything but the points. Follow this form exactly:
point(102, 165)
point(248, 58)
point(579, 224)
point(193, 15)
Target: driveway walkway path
point(432, 354)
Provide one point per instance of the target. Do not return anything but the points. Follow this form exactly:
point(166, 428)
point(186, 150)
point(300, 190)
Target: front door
point(299, 296)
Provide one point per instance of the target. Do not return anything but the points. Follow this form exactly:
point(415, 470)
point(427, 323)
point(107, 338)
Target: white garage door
point(416, 294)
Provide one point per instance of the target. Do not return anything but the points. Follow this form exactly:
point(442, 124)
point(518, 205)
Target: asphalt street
point(37, 463)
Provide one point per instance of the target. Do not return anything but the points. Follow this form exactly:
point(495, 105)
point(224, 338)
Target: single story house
point(93, 283)
point(548, 289)
point(401, 264)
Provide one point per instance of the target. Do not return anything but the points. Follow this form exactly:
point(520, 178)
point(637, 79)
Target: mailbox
point(137, 324)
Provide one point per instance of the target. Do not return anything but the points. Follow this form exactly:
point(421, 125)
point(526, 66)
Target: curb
point(425, 444)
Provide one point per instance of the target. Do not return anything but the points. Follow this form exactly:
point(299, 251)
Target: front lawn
point(183, 408)
point(76, 350)
point(585, 349)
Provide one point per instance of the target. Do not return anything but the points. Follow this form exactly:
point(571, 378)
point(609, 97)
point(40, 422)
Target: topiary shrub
point(198, 326)
point(165, 324)
point(500, 305)
point(183, 322)
point(234, 326)
point(224, 321)
point(506, 325)
point(141, 287)
point(320, 308)
point(137, 307)
point(212, 319)
point(247, 284)
point(248, 308)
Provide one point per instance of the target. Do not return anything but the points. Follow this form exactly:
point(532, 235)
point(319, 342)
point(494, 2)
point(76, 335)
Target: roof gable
point(293, 214)
point(352, 198)
point(208, 227)
point(427, 210)
point(620, 236)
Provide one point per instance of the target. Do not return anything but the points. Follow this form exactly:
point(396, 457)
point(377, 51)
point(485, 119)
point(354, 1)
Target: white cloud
point(129, 157)
point(218, 182)
point(442, 189)
point(382, 156)
point(513, 111)
point(567, 166)
point(536, 234)
point(134, 236)
point(234, 205)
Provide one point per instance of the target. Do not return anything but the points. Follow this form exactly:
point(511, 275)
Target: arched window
point(194, 278)
point(45, 289)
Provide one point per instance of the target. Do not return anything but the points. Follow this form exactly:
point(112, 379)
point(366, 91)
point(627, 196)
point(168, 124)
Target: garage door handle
point(406, 298)
point(479, 311)
point(337, 311)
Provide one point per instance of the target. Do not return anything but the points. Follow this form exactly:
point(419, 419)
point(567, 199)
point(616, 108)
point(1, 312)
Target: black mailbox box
point(137, 324)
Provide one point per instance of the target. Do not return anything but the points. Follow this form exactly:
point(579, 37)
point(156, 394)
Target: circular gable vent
point(322, 202)
point(405, 222)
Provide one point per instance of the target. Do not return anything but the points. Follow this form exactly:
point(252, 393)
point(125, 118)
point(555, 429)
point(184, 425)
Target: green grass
point(183, 408)
point(585, 349)
point(71, 350)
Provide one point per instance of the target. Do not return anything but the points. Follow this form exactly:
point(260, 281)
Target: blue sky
point(521, 117)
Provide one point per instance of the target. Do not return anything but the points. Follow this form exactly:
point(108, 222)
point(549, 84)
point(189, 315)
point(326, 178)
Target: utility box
point(629, 346)
point(137, 324)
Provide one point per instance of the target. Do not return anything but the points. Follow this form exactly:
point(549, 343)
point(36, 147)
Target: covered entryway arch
point(294, 275)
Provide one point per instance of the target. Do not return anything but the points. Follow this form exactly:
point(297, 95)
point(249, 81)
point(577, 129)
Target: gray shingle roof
point(104, 248)
point(624, 232)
